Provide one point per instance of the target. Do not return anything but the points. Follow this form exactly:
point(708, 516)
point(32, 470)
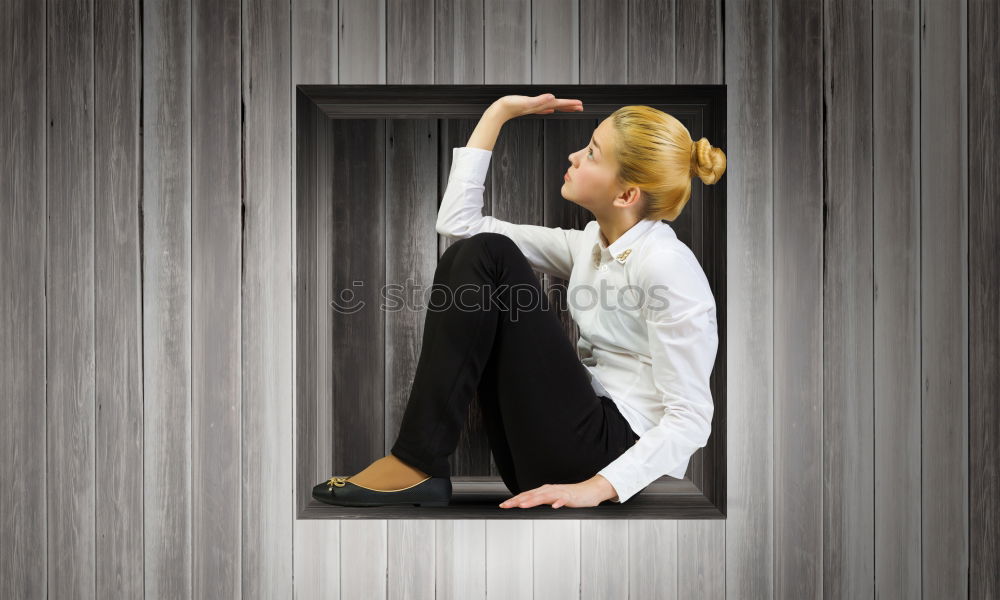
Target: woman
point(563, 430)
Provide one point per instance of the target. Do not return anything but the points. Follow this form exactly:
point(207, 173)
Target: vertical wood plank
point(23, 245)
point(604, 39)
point(266, 324)
point(362, 42)
point(409, 46)
point(798, 299)
point(166, 240)
point(555, 41)
point(364, 561)
point(557, 558)
point(896, 296)
point(118, 299)
point(510, 558)
point(653, 47)
point(944, 284)
point(410, 556)
point(749, 41)
point(216, 236)
point(654, 559)
point(458, 41)
point(70, 367)
point(604, 556)
point(317, 559)
point(357, 321)
point(460, 559)
point(507, 39)
point(848, 323)
point(984, 299)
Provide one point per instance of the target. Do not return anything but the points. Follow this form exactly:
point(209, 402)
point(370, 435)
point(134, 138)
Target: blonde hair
point(656, 153)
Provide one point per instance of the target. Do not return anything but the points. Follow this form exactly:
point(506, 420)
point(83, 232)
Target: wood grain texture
point(848, 305)
point(358, 272)
point(216, 335)
point(23, 263)
point(506, 41)
point(984, 299)
point(166, 303)
point(750, 508)
point(895, 334)
point(409, 48)
point(69, 307)
point(266, 316)
point(604, 36)
point(460, 558)
point(119, 264)
point(118, 299)
point(944, 301)
point(458, 42)
point(798, 298)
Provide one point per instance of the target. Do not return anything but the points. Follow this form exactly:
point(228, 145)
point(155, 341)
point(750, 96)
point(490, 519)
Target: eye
point(590, 152)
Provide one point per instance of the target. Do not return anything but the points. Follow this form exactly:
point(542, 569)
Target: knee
point(484, 241)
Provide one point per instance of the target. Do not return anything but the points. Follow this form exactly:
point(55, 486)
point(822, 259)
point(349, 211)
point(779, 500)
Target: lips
point(566, 176)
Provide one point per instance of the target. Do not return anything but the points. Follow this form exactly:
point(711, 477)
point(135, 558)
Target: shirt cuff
point(622, 478)
point(470, 164)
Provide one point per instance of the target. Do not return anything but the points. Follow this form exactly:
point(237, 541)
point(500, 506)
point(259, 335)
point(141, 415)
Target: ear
point(630, 196)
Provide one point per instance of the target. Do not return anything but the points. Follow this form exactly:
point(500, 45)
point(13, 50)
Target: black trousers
point(489, 328)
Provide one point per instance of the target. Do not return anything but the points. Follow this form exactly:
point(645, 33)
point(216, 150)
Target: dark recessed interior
point(372, 162)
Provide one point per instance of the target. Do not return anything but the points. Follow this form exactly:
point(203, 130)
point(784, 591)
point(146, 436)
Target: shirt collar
point(622, 247)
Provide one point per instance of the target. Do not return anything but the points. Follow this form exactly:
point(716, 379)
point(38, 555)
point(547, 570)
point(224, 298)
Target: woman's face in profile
point(593, 172)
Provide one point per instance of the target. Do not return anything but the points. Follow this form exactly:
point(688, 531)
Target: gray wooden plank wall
point(147, 305)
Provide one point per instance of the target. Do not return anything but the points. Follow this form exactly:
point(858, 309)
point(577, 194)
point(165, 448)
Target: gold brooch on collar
point(621, 257)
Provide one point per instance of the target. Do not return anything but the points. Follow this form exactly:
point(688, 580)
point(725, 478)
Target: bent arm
point(548, 249)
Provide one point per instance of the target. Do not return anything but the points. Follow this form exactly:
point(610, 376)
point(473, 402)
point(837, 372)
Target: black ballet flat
point(433, 491)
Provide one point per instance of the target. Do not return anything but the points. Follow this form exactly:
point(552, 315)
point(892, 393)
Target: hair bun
point(707, 162)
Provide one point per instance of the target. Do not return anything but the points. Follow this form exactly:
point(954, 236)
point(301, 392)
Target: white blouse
point(646, 316)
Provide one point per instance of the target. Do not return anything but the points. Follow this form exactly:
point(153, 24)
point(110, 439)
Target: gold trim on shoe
point(342, 481)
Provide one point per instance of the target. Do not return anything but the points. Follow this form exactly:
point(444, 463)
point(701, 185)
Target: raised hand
point(515, 106)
